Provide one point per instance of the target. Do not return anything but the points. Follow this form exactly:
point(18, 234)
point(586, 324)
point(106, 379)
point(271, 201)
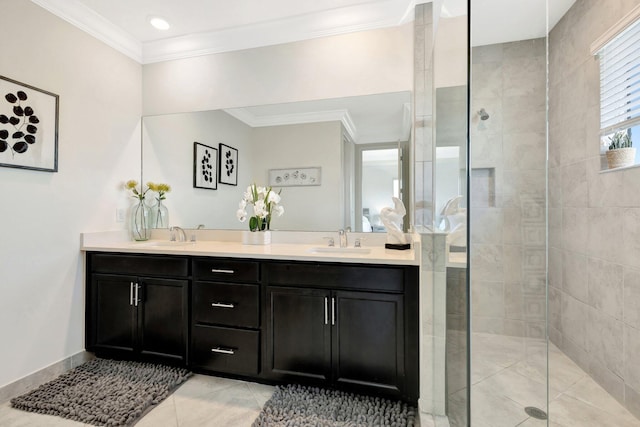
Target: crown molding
point(89, 21)
point(368, 16)
point(362, 17)
point(245, 116)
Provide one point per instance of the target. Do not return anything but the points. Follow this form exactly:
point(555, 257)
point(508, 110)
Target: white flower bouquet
point(265, 201)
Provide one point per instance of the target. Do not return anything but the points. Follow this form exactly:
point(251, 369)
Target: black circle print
point(229, 163)
point(207, 169)
point(23, 121)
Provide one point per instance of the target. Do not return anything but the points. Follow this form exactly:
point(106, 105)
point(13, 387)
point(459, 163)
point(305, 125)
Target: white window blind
point(620, 81)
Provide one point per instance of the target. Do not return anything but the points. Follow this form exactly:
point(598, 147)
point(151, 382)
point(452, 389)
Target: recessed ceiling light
point(159, 23)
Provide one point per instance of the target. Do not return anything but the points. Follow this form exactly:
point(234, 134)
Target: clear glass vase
point(139, 221)
point(159, 216)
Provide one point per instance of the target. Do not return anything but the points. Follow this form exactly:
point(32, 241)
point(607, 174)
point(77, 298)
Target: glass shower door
point(508, 222)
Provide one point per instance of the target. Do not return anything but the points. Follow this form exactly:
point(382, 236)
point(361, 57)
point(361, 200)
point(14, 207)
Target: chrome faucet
point(182, 237)
point(342, 234)
point(193, 233)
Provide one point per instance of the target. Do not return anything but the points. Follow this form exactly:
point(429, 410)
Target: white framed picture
point(294, 177)
point(28, 127)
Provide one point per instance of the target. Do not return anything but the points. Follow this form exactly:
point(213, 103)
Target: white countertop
point(457, 260)
point(298, 251)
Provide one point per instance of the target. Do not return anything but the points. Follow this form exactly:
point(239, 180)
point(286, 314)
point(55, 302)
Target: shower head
point(483, 114)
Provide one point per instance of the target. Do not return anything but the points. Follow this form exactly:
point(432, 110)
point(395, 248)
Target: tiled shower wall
point(508, 156)
point(594, 217)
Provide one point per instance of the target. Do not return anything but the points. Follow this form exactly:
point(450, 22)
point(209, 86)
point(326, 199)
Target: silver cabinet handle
point(135, 298)
point(326, 311)
point(131, 293)
point(222, 350)
point(222, 305)
point(333, 311)
point(222, 270)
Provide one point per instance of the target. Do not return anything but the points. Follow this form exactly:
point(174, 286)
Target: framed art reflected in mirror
point(294, 177)
point(205, 162)
point(228, 167)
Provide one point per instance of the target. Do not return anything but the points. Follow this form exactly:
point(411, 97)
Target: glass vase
point(139, 221)
point(159, 216)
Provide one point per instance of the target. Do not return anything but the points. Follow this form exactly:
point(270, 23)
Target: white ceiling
point(201, 27)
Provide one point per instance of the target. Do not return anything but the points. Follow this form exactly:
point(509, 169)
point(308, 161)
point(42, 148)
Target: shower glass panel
point(508, 218)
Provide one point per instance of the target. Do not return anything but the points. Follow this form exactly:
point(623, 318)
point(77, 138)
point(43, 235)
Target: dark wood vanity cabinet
point(133, 312)
point(343, 325)
point(352, 326)
point(298, 334)
point(225, 320)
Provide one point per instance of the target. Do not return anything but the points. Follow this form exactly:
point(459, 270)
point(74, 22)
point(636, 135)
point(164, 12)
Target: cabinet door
point(162, 318)
point(299, 334)
point(368, 341)
point(112, 313)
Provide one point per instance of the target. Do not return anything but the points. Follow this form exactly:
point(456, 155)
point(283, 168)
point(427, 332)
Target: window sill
point(624, 168)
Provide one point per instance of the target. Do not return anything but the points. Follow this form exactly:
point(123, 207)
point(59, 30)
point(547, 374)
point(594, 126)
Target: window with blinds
point(620, 80)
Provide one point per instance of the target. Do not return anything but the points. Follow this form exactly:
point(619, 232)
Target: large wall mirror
point(356, 148)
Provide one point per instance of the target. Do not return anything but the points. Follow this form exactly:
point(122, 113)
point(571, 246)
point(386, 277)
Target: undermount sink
point(337, 250)
point(167, 243)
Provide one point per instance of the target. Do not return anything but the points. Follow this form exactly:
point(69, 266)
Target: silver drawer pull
point(326, 312)
point(221, 270)
point(222, 305)
point(222, 350)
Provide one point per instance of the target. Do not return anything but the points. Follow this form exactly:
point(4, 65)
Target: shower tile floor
point(508, 374)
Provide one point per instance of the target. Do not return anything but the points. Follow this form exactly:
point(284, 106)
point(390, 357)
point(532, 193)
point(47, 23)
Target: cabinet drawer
point(140, 265)
point(230, 304)
point(226, 349)
point(390, 279)
point(226, 270)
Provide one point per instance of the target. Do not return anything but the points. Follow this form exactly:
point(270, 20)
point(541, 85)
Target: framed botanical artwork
point(228, 166)
point(28, 127)
point(205, 162)
point(294, 177)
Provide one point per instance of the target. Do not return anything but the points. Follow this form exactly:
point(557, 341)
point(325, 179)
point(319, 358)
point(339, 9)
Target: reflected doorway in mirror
point(205, 161)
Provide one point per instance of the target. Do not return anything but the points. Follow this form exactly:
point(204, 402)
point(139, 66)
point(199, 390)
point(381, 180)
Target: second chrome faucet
point(344, 239)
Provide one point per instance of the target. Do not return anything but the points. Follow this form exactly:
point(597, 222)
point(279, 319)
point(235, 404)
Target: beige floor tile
point(567, 411)
point(232, 406)
point(10, 417)
point(457, 409)
point(533, 422)
point(495, 410)
point(501, 350)
point(164, 415)
point(588, 391)
point(483, 368)
point(563, 372)
point(261, 392)
point(510, 384)
point(199, 385)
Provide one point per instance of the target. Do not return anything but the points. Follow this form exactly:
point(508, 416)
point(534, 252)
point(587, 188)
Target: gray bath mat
point(104, 392)
point(300, 406)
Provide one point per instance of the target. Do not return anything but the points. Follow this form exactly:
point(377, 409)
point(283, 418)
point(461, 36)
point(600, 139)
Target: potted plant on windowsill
point(621, 153)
